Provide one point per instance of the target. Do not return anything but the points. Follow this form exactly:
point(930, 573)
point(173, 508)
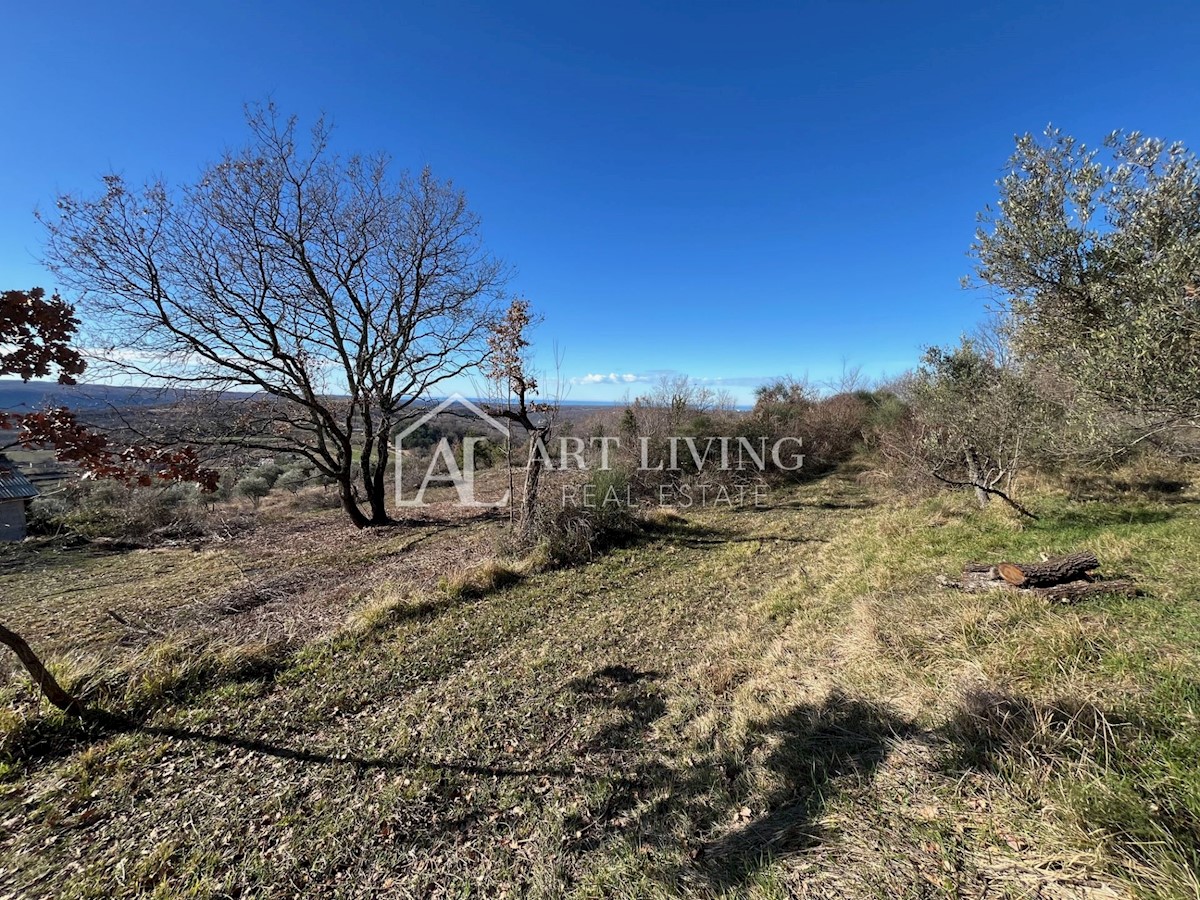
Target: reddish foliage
point(39, 331)
point(92, 451)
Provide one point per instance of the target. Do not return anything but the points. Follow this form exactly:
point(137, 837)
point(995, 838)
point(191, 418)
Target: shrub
point(977, 419)
point(227, 484)
point(293, 479)
point(109, 509)
point(833, 428)
point(254, 487)
point(268, 472)
point(47, 514)
point(577, 525)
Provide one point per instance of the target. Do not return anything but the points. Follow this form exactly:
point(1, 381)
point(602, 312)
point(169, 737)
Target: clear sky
point(730, 191)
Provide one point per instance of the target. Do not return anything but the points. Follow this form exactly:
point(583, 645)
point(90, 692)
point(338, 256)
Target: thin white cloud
point(610, 378)
point(740, 381)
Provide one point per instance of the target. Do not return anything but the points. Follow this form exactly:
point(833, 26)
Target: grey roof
point(14, 485)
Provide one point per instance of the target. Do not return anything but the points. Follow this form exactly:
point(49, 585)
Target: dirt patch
point(286, 580)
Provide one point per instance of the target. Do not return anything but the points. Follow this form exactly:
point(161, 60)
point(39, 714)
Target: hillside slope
point(764, 703)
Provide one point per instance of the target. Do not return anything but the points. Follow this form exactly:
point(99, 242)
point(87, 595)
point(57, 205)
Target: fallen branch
point(1082, 590)
point(41, 677)
point(987, 489)
point(143, 629)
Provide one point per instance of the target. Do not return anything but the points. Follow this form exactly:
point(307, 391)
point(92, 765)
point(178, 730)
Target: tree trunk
point(975, 474)
point(1059, 570)
point(533, 477)
point(43, 679)
point(378, 498)
point(373, 469)
point(349, 504)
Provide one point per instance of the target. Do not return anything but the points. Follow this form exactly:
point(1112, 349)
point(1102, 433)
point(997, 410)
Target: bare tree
point(673, 402)
point(509, 366)
point(338, 295)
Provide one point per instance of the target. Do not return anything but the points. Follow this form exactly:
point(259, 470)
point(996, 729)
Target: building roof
point(14, 485)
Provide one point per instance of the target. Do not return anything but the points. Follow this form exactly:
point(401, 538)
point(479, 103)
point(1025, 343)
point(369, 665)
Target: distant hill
point(18, 396)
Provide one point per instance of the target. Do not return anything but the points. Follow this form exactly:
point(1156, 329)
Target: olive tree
point(974, 421)
point(1096, 253)
point(317, 300)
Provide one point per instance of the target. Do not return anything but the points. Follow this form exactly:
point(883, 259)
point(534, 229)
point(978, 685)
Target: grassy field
point(764, 703)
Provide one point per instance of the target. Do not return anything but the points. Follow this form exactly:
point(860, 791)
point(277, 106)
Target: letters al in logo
point(463, 479)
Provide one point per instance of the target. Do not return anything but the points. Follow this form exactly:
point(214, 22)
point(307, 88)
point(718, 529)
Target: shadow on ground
point(1095, 517)
point(818, 752)
point(815, 752)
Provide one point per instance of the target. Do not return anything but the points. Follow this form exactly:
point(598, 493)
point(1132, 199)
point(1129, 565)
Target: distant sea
point(18, 396)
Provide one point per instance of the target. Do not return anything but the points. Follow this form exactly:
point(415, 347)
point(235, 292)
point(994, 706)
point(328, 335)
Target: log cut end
point(1011, 573)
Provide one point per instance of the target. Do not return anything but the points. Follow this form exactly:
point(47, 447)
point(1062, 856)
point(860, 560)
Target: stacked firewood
point(1064, 579)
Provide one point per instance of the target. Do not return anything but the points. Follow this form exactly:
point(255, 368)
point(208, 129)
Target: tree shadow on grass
point(816, 752)
point(40, 740)
point(819, 751)
point(1112, 761)
point(717, 538)
point(993, 731)
point(841, 503)
point(98, 724)
point(1109, 488)
point(1104, 515)
point(631, 701)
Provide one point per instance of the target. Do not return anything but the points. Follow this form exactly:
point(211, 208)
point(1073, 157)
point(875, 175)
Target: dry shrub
point(574, 520)
point(489, 575)
point(832, 429)
point(112, 510)
point(662, 517)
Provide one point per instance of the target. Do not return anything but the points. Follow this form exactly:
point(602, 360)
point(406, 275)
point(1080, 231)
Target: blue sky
point(730, 191)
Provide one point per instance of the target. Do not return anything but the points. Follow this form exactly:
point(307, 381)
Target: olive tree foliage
point(975, 420)
point(1096, 254)
point(338, 293)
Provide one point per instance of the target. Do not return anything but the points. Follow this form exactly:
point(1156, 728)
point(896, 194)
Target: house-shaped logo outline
point(453, 399)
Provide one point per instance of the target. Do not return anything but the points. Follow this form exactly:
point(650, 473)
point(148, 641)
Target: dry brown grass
point(747, 704)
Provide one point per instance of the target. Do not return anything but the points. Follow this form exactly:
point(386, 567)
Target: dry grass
point(489, 575)
point(662, 517)
point(762, 703)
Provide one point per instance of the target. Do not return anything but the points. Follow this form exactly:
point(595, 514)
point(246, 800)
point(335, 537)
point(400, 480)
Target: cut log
point(1060, 570)
point(1064, 579)
point(1082, 590)
point(974, 568)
